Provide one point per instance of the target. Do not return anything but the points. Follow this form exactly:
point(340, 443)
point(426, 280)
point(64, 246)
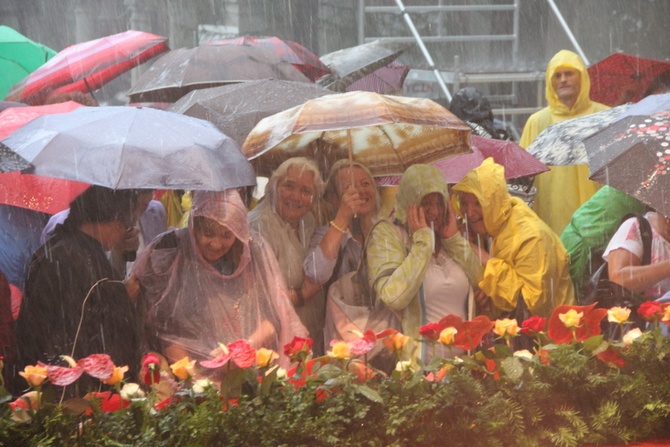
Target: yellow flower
point(117, 375)
point(341, 350)
point(448, 335)
point(396, 342)
point(34, 375)
point(618, 314)
point(572, 318)
point(666, 314)
point(264, 357)
point(184, 368)
point(630, 336)
point(506, 326)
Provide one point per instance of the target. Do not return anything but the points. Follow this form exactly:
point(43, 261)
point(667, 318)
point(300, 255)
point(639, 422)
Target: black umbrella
point(131, 147)
point(11, 161)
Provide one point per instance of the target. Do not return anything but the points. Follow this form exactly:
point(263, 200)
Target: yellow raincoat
point(562, 190)
point(527, 258)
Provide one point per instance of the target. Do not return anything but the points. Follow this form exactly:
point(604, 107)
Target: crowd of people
point(234, 269)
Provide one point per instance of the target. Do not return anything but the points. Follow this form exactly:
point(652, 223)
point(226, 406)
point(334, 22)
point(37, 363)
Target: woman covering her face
point(214, 282)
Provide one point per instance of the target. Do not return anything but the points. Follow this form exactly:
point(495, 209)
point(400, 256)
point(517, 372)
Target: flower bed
point(575, 388)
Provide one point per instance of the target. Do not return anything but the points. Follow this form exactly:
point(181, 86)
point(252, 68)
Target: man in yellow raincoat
point(562, 190)
point(527, 259)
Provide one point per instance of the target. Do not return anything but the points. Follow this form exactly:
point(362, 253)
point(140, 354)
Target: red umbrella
point(35, 192)
point(622, 78)
point(387, 80)
point(516, 160)
point(304, 60)
point(87, 66)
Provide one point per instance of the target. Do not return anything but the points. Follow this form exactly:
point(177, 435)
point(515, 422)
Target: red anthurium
point(386, 333)
point(63, 376)
point(99, 366)
point(365, 344)
point(470, 333)
point(109, 402)
point(533, 325)
point(611, 357)
point(589, 324)
point(431, 331)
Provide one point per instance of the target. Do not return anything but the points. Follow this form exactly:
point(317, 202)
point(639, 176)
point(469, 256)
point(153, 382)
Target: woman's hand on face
point(416, 219)
point(450, 226)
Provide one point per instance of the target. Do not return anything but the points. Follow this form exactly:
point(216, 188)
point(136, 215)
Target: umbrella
point(516, 160)
point(19, 56)
point(560, 144)
point(351, 64)
point(130, 147)
point(236, 108)
point(386, 80)
point(292, 52)
point(45, 194)
point(385, 133)
point(620, 78)
point(87, 66)
point(209, 65)
point(633, 156)
point(10, 161)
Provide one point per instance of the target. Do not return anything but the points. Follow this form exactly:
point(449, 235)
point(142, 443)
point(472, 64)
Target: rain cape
point(562, 190)
point(527, 258)
point(190, 303)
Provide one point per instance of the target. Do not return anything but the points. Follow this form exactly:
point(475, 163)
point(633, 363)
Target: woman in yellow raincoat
point(527, 258)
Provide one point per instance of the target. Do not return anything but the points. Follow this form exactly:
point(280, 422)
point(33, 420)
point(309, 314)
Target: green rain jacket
point(527, 257)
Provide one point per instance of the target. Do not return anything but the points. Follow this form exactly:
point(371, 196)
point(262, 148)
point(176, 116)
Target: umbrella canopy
point(351, 64)
point(621, 78)
point(11, 161)
point(633, 156)
point(87, 66)
point(19, 56)
point(236, 108)
point(129, 147)
point(209, 65)
point(300, 57)
point(386, 80)
point(561, 143)
point(45, 194)
point(516, 160)
point(385, 133)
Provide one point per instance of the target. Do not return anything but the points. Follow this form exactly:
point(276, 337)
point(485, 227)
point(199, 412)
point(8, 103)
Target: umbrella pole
point(355, 222)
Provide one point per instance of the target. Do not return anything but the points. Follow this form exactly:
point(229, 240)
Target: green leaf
point(368, 392)
point(75, 406)
point(512, 368)
point(269, 379)
point(595, 343)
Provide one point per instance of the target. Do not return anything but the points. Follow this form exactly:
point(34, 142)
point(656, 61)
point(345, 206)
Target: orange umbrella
point(385, 133)
point(34, 192)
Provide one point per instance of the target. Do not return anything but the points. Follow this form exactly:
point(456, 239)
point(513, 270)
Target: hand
point(483, 302)
point(130, 241)
point(350, 203)
point(450, 227)
point(416, 219)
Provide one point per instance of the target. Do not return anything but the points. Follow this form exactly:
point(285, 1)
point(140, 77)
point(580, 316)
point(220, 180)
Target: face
point(213, 240)
point(473, 212)
point(364, 187)
point(295, 193)
point(434, 209)
point(566, 84)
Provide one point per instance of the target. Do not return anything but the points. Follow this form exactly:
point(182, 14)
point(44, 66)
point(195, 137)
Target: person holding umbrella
point(286, 219)
point(71, 304)
point(213, 282)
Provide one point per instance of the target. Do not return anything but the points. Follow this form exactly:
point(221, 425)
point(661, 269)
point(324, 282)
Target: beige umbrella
point(385, 133)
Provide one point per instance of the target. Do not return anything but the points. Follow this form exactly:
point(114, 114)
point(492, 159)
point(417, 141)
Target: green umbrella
point(19, 56)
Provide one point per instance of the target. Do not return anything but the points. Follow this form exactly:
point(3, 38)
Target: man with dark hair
point(72, 306)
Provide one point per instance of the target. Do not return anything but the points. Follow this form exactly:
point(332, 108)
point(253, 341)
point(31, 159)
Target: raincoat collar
point(487, 183)
point(417, 182)
point(565, 58)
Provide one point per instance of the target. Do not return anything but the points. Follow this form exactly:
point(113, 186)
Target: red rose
point(650, 310)
point(298, 348)
point(431, 331)
point(151, 368)
point(545, 356)
point(533, 325)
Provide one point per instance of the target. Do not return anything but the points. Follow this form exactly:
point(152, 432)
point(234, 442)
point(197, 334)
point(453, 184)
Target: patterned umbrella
point(385, 133)
point(209, 65)
point(304, 60)
point(633, 156)
point(87, 66)
point(621, 78)
point(34, 192)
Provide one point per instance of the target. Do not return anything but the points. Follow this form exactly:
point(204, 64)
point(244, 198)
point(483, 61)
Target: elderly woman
point(422, 267)
point(336, 247)
point(286, 219)
point(214, 281)
point(528, 266)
